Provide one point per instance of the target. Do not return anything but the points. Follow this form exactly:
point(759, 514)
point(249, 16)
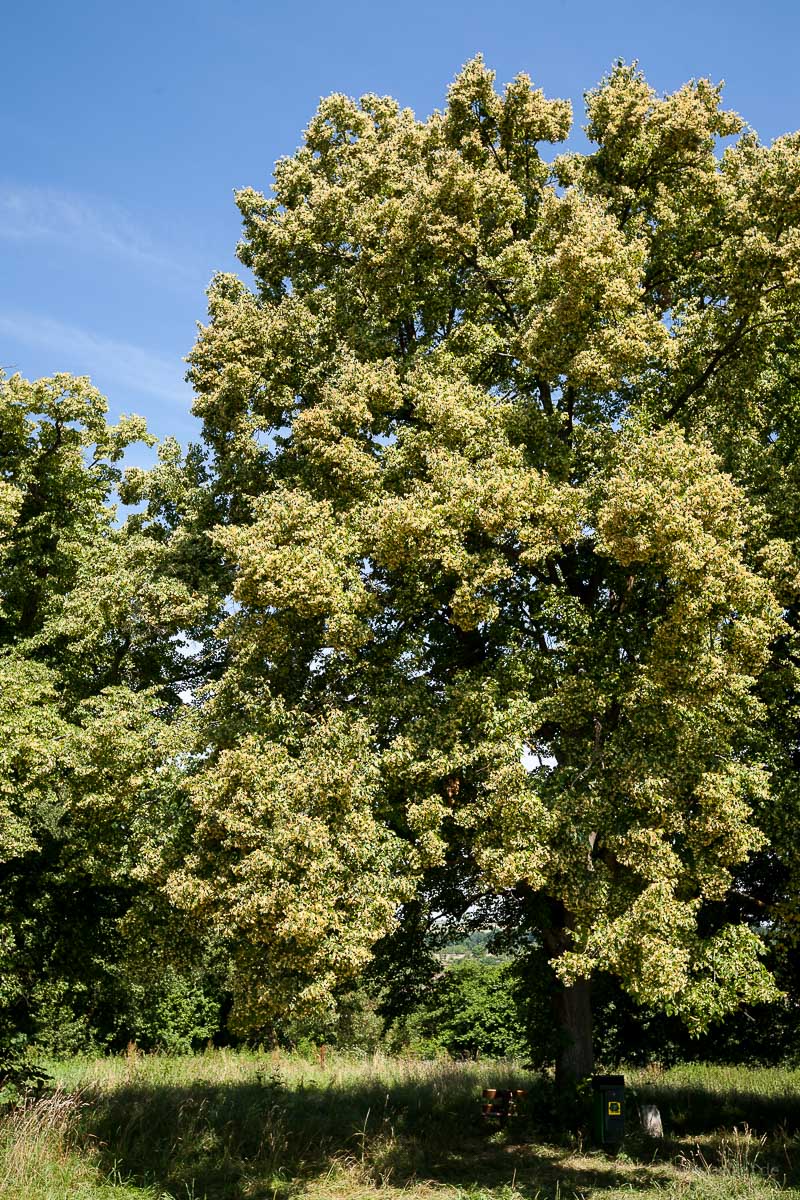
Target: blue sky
point(126, 128)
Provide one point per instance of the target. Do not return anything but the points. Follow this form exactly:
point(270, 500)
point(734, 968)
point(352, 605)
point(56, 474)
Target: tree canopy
point(501, 443)
point(92, 617)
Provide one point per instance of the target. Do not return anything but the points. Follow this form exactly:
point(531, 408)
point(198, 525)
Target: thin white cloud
point(108, 361)
point(98, 228)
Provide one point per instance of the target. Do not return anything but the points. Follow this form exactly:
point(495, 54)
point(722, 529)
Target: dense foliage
point(91, 618)
point(497, 445)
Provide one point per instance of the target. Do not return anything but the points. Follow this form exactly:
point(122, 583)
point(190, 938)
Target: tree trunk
point(573, 1012)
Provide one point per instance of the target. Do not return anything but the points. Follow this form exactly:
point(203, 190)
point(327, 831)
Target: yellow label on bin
point(614, 1108)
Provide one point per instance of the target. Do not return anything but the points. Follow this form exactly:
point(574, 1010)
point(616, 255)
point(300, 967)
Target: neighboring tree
point(488, 436)
point(91, 665)
point(470, 1010)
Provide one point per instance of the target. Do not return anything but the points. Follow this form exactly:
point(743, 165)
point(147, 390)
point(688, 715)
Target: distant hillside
point(472, 945)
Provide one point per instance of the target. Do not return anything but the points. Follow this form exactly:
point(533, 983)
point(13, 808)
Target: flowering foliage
point(486, 433)
point(89, 616)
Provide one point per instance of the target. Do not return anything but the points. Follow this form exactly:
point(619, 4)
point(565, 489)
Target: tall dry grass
point(232, 1125)
point(35, 1136)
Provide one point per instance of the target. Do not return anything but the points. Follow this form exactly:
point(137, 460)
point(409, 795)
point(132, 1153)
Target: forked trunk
point(573, 1011)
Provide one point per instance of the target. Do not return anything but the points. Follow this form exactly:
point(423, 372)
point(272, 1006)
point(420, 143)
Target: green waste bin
point(608, 1109)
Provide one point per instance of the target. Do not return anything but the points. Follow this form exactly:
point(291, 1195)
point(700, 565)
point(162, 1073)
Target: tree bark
point(573, 1012)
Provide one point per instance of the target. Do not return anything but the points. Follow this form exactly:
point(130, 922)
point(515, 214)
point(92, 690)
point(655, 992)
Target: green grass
point(240, 1126)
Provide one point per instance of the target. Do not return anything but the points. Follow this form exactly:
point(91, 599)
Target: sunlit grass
point(231, 1125)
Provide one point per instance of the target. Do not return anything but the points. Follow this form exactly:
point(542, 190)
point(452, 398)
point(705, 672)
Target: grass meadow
point(243, 1126)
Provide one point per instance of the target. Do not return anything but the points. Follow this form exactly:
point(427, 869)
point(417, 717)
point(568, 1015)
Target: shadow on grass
point(267, 1141)
point(696, 1109)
